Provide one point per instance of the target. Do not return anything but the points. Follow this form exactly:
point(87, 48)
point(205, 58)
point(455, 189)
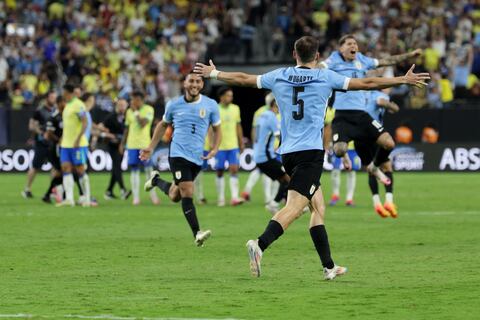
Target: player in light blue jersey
point(266, 130)
point(351, 121)
point(191, 115)
point(377, 103)
point(302, 93)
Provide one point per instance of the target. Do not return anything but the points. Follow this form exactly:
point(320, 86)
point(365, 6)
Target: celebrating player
point(191, 115)
point(302, 93)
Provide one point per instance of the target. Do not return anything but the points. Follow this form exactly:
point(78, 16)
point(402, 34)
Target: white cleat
point(330, 274)
point(375, 171)
point(255, 255)
point(149, 184)
point(221, 203)
point(65, 203)
point(201, 237)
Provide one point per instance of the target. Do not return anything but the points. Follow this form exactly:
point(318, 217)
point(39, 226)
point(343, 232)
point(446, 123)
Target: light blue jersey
point(88, 130)
point(350, 100)
point(190, 126)
point(267, 127)
point(373, 109)
point(302, 94)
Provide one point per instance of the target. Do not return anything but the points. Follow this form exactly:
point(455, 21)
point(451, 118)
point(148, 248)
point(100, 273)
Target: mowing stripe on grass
point(102, 316)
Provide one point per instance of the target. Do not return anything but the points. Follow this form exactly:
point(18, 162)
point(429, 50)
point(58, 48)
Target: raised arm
point(410, 78)
point(232, 78)
point(392, 60)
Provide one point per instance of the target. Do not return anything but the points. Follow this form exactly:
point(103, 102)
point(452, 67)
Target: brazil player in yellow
point(230, 147)
point(74, 147)
point(138, 124)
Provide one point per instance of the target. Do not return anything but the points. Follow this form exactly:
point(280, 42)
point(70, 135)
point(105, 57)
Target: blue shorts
point(352, 154)
point(205, 162)
point(75, 156)
point(133, 156)
point(231, 156)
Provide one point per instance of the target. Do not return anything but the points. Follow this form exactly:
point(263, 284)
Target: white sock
point(68, 184)
point(220, 183)
point(234, 187)
point(252, 180)
point(351, 183)
point(135, 182)
point(198, 186)
point(85, 183)
point(376, 199)
point(275, 185)
point(335, 182)
point(267, 188)
point(389, 197)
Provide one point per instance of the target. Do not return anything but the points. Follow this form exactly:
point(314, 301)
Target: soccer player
point(230, 147)
point(138, 124)
point(302, 93)
point(266, 130)
point(191, 115)
point(378, 103)
point(41, 147)
point(351, 122)
point(74, 147)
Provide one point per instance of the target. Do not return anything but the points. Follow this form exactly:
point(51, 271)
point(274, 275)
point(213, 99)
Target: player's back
point(302, 94)
point(267, 127)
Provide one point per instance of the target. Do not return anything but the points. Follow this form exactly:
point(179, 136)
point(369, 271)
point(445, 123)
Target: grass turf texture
point(141, 262)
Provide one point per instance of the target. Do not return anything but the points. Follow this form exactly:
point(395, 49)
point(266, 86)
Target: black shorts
point(305, 169)
point(40, 155)
point(366, 150)
point(272, 168)
point(54, 157)
point(183, 170)
point(355, 125)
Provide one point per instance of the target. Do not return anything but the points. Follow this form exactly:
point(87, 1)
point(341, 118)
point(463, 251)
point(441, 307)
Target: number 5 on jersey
point(297, 115)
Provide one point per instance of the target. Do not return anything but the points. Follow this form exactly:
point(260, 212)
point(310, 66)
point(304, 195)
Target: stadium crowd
point(113, 47)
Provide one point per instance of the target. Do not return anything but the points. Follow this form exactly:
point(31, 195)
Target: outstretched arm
point(232, 78)
point(410, 78)
point(392, 60)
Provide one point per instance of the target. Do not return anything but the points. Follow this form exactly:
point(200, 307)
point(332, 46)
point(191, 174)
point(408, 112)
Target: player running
point(191, 115)
point(351, 122)
point(74, 147)
point(302, 93)
point(378, 102)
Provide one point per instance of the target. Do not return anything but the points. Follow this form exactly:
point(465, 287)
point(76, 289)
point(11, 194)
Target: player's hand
point(145, 154)
point(121, 149)
point(203, 69)
point(210, 155)
point(417, 53)
point(347, 163)
point(416, 79)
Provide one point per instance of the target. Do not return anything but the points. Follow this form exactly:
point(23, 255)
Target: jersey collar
point(194, 102)
point(302, 67)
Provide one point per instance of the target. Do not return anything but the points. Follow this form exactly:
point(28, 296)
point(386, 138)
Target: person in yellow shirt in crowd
point(138, 124)
point(74, 147)
point(230, 147)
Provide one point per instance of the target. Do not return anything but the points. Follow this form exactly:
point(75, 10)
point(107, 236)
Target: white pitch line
point(102, 317)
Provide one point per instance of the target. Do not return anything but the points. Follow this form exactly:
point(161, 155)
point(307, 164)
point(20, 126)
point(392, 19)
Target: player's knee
point(186, 190)
point(389, 144)
point(340, 148)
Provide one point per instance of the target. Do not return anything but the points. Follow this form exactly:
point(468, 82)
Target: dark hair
point(69, 88)
point(185, 76)
point(306, 48)
point(86, 96)
point(223, 90)
point(345, 38)
point(138, 93)
point(60, 99)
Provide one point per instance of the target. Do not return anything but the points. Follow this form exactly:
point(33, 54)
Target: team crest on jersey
point(358, 65)
point(178, 175)
point(203, 113)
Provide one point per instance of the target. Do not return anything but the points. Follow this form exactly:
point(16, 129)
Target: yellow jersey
point(230, 117)
point(72, 123)
point(138, 137)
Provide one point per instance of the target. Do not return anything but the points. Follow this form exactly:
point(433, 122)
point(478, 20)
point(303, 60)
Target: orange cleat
point(391, 208)
point(382, 212)
point(350, 203)
point(236, 202)
point(245, 195)
point(333, 200)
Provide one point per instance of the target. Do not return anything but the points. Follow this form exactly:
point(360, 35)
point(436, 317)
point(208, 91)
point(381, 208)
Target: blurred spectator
point(403, 134)
point(430, 134)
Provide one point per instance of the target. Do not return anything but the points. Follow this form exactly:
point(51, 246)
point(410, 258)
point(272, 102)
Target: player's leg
point(234, 165)
point(198, 182)
point(56, 174)
point(389, 204)
point(40, 154)
point(220, 159)
point(319, 236)
point(274, 170)
point(80, 163)
point(66, 160)
point(374, 131)
point(114, 155)
point(148, 173)
point(267, 188)
point(352, 177)
point(335, 177)
point(251, 182)
point(134, 164)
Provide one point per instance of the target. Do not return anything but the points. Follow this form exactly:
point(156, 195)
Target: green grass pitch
point(117, 261)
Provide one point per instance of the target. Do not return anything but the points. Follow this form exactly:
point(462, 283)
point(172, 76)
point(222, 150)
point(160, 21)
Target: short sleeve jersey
point(138, 136)
point(191, 121)
point(72, 117)
point(350, 100)
point(302, 94)
point(266, 129)
point(373, 109)
point(230, 117)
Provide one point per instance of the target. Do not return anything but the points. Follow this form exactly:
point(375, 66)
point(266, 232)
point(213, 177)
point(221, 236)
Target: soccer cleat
point(149, 185)
point(46, 198)
point(27, 194)
point(330, 274)
point(136, 202)
point(202, 201)
point(382, 212)
point(221, 203)
point(255, 255)
point(236, 202)
point(391, 208)
point(201, 237)
point(377, 173)
point(350, 203)
point(108, 195)
point(125, 194)
point(58, 193)
point(245, 195)
point(333, 200)
point(272, 207)
point(65, 203)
